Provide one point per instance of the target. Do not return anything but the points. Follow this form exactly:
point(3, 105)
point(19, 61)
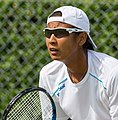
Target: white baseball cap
point(75, 17)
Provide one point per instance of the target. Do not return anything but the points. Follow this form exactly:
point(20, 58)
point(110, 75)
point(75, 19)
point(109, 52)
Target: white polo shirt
point(94, 98)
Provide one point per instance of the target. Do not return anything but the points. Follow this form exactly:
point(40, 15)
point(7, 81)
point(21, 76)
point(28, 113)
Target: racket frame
point(18, 96)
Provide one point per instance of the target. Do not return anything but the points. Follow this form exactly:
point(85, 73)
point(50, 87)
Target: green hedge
point(22, 43)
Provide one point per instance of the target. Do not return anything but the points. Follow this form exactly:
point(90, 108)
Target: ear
point(82, 38)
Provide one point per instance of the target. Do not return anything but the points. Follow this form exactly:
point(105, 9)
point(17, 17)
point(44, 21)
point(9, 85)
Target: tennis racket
point(31, 104)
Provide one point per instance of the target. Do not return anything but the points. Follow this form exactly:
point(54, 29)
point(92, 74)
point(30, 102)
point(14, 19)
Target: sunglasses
point(60, 32)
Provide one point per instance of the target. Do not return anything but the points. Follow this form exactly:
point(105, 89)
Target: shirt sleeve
point(113, 94)
point(43, 78)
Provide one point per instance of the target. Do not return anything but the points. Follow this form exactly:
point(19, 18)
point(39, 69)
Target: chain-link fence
point(22, 43)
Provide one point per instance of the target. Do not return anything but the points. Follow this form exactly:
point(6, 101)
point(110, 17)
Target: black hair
point(88, 45)
point(56, 13)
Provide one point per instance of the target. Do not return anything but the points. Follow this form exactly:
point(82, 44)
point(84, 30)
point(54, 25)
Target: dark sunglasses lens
point(48, 33)
point(57, 33)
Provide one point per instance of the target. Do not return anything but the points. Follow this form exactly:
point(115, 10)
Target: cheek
point(68, 46)
point(47, 42)
point(70, 43)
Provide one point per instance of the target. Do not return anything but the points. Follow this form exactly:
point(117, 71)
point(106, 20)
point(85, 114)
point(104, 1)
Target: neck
point(77, 67)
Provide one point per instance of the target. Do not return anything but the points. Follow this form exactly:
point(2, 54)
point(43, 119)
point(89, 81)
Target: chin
point(56, 58)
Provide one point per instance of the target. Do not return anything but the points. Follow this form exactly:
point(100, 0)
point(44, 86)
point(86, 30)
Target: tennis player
point(82, 82)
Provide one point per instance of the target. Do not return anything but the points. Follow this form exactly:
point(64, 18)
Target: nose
point(52, 40)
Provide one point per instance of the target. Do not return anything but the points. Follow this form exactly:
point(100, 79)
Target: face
point(62, 48)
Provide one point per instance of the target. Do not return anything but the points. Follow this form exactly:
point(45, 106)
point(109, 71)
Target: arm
point(113, 94)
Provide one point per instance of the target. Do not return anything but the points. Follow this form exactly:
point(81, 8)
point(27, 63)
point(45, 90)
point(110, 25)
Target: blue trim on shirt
point(98, 80)
point(62, 81)
point(55, 92)
point(59, 87)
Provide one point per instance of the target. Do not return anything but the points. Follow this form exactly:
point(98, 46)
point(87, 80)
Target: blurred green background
point(22, 43)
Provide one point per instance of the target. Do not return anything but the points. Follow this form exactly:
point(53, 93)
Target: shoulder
point(103, 59)
point(112, 82)
point(105, 67)
point(53, 67)
point(52, 74)
point(102, 56)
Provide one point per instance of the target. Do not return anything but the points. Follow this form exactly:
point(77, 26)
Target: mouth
point(53, 51)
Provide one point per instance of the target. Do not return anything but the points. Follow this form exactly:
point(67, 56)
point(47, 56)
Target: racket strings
point(29, 107)
point(46, 107)
point(24, 108)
